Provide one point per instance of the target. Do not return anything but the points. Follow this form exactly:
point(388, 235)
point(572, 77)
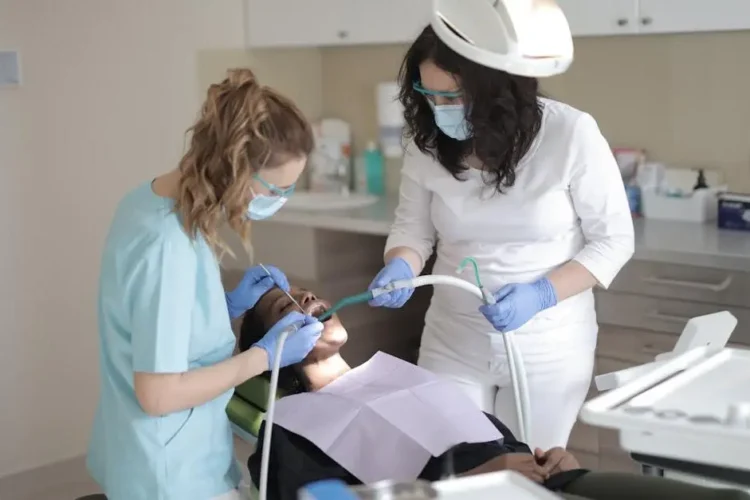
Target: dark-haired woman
point(528, 187)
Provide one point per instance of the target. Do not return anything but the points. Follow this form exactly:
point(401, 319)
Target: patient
point(295, 461)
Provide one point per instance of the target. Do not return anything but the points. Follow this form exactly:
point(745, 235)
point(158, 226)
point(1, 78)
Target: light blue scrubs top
point(161, 310)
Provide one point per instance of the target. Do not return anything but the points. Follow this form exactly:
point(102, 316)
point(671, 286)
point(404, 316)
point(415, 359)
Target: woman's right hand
point(524, 464)
point(298, 343)
point(397, 269)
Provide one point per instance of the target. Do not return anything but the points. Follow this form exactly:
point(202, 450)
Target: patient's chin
point(334, 334)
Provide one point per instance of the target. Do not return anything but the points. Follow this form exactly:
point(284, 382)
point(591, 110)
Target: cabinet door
point(310, 23)
point(684, 16)
point(294, 23)
point(601, 17)
point(388, 21)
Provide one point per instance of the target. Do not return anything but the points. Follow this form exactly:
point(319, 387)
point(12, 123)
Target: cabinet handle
point(672, 318)
point(694, 285)
point(622, 22)
point(650, 349)
point(646, 21)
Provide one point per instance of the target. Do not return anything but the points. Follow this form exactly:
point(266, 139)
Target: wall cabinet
point(631, 17)
point(321, 23)
point(300, 23)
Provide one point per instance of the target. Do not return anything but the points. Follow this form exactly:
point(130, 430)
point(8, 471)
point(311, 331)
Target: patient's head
point(273, 306)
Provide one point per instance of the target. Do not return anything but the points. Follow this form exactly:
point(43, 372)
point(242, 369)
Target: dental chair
point(247, 408)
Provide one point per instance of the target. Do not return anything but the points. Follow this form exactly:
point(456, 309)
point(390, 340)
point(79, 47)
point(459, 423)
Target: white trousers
point(559, 371)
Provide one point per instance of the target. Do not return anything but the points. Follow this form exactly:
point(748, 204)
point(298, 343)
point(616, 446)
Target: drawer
point(587, 460)
point(584, 438)
point(631, 345)
point(662, 315)
point(607, 365)
point(618, 463)
point(699, 284)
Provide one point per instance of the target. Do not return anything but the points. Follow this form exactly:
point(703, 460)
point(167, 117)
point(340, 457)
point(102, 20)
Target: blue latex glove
point(255, 283)
point(518, 303)
point(297, 345)
point(397, 269)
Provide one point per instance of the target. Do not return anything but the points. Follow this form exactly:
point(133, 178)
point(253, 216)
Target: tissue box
point(698, 206)
point(734, 211)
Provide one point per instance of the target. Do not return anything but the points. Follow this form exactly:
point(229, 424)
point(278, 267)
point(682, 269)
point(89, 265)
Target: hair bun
point(242, 78)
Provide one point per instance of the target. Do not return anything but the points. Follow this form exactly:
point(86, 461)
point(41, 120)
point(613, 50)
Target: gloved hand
point(518, 303)
point(396, 269)
point(255, 283)
point(298, 344)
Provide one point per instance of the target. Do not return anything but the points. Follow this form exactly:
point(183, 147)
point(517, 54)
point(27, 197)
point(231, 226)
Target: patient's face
point(274, 305)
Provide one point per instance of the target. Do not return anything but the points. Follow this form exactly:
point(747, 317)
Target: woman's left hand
point(516, 304)
point(255, 283)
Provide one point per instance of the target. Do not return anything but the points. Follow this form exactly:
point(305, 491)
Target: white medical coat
point(568, 203)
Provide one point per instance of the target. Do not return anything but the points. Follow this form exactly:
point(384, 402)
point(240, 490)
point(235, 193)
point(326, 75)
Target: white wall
point(109, 88)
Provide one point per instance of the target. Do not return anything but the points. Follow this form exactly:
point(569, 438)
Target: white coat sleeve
point(599, 198)
point(413, 227)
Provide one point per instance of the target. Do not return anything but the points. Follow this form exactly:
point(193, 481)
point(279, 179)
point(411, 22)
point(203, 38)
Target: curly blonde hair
point(243, 128)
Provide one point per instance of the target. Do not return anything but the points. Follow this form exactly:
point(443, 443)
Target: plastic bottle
point(700, 183)
point(374, 167)
point(360, 175)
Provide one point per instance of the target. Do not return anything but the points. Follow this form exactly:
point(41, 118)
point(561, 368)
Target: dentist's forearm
point(164, 393)
point(409, 255)
point(571, 279)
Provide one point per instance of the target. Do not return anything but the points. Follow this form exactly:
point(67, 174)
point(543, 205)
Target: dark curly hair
point(504, 112)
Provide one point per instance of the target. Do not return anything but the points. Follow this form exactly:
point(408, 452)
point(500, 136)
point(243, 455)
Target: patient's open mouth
point(315, 308)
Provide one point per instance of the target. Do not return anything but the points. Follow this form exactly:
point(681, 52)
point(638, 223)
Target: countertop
point(661, 241)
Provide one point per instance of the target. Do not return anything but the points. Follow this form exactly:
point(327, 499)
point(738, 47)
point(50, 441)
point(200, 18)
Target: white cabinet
point(601, 17)
point(311, 23)
point(631, 17)
point(299, 23)
point(687, 16)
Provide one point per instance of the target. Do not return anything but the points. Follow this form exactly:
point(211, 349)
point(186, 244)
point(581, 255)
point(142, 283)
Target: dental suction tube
point(271, 406)
point(515, 360)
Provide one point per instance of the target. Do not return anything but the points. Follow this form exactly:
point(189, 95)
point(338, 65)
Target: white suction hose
point(270, 407)
point(515, 361)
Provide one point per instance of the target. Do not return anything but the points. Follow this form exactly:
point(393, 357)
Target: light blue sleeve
point(161, 293)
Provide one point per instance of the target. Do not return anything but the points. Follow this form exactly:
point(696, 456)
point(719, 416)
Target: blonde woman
point(167, 370)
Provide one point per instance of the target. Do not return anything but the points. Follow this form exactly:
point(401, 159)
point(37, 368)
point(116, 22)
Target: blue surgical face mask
point(263, 206)
point(451, 119)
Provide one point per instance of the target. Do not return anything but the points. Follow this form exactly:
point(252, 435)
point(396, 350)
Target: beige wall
point(682, 97)
point(109, 89)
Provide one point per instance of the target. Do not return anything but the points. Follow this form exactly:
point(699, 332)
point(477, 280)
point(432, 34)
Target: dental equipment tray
point(693, 408)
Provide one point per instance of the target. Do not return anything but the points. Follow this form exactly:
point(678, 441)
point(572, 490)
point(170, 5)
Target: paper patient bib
point(385, 419)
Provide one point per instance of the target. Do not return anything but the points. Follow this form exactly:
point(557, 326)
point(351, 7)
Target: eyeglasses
point(275, 190)
point(432, 93)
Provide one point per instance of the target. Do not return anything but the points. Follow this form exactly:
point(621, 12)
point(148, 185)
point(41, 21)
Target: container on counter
point(734, 211)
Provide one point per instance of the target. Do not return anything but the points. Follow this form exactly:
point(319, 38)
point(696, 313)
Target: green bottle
point(374, 169)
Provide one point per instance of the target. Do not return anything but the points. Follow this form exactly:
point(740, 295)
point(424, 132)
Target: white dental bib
point(384, 419)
